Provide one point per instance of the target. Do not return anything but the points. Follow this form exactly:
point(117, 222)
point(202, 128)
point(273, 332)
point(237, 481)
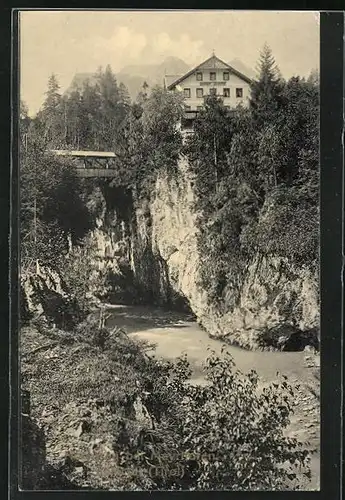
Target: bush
point(82, 281)
point(223, 260)
point(227, 435)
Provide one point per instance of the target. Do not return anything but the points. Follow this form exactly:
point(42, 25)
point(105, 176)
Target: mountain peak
point(133, 76)
point(79, 80)
point(173, 60)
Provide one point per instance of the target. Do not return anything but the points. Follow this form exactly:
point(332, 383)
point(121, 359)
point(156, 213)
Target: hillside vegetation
point(257, 178)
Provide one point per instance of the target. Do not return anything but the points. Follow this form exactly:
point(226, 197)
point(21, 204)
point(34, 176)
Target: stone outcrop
point(274, 292)
point(155, 242)
point(42, 292)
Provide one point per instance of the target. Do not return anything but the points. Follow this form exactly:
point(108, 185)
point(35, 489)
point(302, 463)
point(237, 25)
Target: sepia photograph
point(169, 331)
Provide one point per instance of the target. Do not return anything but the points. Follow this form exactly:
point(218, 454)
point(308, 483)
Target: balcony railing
point(212, 83)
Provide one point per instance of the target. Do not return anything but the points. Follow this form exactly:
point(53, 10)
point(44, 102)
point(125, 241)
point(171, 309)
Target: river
point(177, 333)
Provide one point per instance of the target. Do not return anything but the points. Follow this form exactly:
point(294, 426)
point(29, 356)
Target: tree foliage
point(55, 209)
point(86, 118)
point(51, 113)
point(227, 435)
point(150, 140)
point(100, 116)
point(52, 210)
point(265, 91)
point(256, 178)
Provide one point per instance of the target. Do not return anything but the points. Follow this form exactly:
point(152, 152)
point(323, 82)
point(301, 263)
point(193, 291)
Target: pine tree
point(91, 117)
point(52, 100)
point(314, 77)
point(298, 155)
point(124, 94)
point(108, 87)
point(112, 108)
point(51, 114)
point(24, 123)
point(72, 118)
point(211, 143)
point(143, 94)
point(265, 92)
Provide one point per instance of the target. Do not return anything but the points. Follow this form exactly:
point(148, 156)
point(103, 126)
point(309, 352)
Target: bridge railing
point(94, 163)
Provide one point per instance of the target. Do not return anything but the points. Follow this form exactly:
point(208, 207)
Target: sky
point(69, 42)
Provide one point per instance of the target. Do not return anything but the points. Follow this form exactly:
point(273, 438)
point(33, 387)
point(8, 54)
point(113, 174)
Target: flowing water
point(177, 333)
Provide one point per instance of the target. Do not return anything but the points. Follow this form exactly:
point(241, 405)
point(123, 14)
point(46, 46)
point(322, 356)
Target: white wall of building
point(219, 84)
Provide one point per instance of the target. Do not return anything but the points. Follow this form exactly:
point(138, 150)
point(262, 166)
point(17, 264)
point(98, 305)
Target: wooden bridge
point(91, 163)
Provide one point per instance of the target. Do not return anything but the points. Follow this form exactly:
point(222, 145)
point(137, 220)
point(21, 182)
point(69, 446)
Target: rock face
point(155, 243)
point(42, 292)
point(129, 246)
point(148, 248)
point(174, 236)
point(273, 293)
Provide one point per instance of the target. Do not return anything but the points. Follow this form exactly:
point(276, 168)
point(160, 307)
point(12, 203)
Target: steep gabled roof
point(212, 62)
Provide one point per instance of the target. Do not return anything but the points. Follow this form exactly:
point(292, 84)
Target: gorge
point(155, 243)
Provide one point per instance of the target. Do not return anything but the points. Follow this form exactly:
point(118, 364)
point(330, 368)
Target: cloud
point(123, 39)
point(128, 45)
point(185, 47)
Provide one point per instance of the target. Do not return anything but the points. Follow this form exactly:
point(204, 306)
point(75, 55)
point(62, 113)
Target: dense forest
point(256, 174)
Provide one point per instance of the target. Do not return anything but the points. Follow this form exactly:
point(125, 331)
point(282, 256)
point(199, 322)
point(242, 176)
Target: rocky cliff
point(148, 250)
point(278, 301)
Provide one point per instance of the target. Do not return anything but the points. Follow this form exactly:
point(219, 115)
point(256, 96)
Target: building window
point(200, 92)
point(186, 92)
point(226, 75)
point(239, 92)
point(213, 75)
point(187, 108)
point(199, 77)
point(226, 92)
point(199, 108)
point(213, 91)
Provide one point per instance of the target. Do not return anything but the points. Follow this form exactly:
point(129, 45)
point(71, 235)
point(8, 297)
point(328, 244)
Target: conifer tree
point(314, 77)
point(91, 116)
point(114, 103)
point(24, 122)
point(265, 92)
point(210, 144)
point(143, 94)
point(51, 114)
point(52, 100)
point(124, 95)
point(72, 118)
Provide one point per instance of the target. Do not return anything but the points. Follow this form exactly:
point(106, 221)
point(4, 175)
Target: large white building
point(212, 76)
